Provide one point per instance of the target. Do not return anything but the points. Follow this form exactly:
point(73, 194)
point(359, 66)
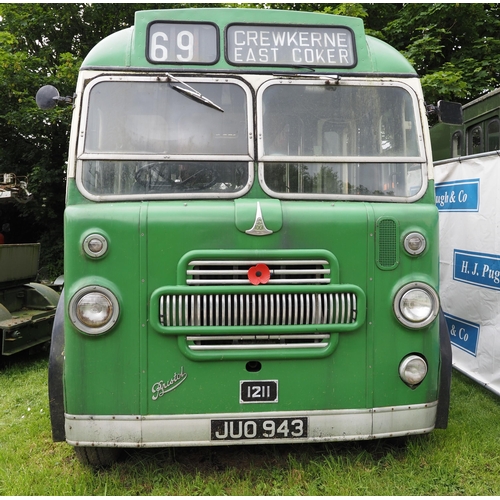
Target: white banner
point(468, 199)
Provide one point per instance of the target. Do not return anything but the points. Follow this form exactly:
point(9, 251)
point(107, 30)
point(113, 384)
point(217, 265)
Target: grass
point(462, 460)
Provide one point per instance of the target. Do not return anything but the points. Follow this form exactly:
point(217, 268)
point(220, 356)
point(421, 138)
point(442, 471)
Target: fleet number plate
point(259, 428)
point(258, 391)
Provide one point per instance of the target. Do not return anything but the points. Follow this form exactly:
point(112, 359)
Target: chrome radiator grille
point(235, 272)
point(257, 309)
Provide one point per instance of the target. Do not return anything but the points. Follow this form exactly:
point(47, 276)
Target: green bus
point(479, 133)
point(251, 239)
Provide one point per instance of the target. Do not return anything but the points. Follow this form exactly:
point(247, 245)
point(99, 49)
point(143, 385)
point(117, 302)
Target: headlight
point(94, 310)
point(416, 305)
point(414, 243)
point(413, 370)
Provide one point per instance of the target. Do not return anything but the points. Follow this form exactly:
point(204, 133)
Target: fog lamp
point(413, 370)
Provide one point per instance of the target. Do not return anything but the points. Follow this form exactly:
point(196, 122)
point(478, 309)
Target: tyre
point(97, 457)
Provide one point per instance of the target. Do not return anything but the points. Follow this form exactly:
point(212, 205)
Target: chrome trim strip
point(312, 336)
point(239, 347)
point(254, 262)
point(117, 156)
point(318, 281)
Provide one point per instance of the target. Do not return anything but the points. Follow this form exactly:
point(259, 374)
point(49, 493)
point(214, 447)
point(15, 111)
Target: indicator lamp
point(414, 243)
point(95, 245)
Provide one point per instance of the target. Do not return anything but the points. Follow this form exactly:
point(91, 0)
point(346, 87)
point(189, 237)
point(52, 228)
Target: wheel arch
point(56, 374)
point(444, 375)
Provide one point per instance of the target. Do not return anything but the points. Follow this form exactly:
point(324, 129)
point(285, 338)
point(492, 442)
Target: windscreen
point(156, 118)
point(340, 139)
point(156, 136)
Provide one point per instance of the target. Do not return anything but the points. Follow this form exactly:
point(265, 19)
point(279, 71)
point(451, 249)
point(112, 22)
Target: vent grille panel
point(387, 247)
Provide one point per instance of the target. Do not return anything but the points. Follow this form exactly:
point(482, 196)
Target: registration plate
point(259, 428)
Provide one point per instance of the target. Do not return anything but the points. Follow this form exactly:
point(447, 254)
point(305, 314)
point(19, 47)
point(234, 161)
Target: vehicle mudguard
point(445, 374)
point(56, 373)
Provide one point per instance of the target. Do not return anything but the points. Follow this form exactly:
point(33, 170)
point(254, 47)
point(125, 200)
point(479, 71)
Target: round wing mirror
point(46, 97)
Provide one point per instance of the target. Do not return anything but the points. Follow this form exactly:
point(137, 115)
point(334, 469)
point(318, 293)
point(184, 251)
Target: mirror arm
point(64, 100)
point(431, 109)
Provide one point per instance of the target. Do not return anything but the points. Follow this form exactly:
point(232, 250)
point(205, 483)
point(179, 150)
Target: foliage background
point(454, 47)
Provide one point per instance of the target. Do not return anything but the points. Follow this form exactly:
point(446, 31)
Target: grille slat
point(238, 342)
point(257, 309)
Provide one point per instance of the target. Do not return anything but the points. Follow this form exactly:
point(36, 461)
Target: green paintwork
point(148, 240)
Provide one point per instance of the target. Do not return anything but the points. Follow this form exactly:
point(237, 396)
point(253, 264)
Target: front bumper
point(135, 431)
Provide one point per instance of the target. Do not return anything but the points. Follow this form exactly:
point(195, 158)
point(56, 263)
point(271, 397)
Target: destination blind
point(290, 45)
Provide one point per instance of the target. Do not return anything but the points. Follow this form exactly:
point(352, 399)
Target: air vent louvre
point(387, 244)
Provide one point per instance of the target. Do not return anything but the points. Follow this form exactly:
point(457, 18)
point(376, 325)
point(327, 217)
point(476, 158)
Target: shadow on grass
point(216, 459)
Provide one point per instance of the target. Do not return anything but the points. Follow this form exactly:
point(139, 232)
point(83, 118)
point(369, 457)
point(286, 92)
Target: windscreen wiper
point(329, 79)
point(192, 93)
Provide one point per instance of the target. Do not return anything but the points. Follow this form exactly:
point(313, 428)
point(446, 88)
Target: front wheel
point(97, 457)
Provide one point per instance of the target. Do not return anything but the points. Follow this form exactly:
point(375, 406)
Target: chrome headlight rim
point(403, 294)
point(75, 316)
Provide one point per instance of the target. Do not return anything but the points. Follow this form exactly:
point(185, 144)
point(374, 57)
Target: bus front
point(250, 237)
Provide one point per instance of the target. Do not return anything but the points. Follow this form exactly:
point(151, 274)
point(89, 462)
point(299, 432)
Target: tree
point(453, 46)
point(44, 44)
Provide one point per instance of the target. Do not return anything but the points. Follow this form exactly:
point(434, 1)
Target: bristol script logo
point(161, 388)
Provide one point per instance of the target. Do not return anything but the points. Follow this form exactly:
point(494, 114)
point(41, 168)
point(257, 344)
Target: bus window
point(347, 140)
point(456, 144)
point(475, 140)
point(493, 135)
point(108, 177)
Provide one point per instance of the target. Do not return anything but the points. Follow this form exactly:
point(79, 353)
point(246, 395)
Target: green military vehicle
point(27, 308)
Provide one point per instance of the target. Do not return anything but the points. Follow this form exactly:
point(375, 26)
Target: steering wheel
point(157, 177)
point(153, 176)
